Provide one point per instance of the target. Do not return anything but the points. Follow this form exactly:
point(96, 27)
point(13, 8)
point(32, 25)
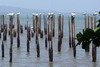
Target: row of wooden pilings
point(89, 22)
point(49, 33)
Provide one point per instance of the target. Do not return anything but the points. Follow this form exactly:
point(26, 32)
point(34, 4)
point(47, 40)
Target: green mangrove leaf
point(79, 38)
point(96, 37)
point(97, 29)
point(85, 44)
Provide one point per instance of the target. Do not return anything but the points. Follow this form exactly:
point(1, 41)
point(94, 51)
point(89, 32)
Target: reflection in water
point(10, 64)
point(50, 64)
point(94, 64)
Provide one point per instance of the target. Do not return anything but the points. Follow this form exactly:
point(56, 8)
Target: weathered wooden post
point(14, 33)
point(40, 31)
point(21, 29)
point(91, 22)
point(50, 52)
point(88, 22)
point(69, 26)
point(4, 35)
point(41, 36)
point(85, 20)
point(0, 34)
point(3, 20)
point(2, 23)
point(45, 29)
point(44, 18)
point(29, 34)
point(11, 35)
point(62, 19)
point(94, 50)
point(2, 47)
point(28, 41)
point(18, 30)
point(73, 33)
point(53, 22)
point(40, 23)
point(50, 35)
point(32, 32)
point(37, 33)
point(59, 32)
point(34, 28)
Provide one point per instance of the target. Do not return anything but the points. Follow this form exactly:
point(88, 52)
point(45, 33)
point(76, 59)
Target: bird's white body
point(73, 14)
point(10, 14)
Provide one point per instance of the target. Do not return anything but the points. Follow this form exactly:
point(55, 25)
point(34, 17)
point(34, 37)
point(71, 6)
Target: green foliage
point(88, 36)
point(96, 37)
point(85, 38)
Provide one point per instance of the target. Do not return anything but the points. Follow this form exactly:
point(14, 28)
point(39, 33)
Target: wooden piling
point(73, 35)
point(2, 47)
point(38, 48)
point(0, 34)
point(91, 22)
point(11, 38)
point(11, 34)
point(59, 42)
point(14, 33)
point(41, 35)
point(62, 23)
point(45, 41)
point(53, 25)
point(10, 54)
point(88, 21)
point(2, 23)
point(45, 24)
point(18, 31)
point(45, 30)
point(85, 20)
point(37, 40)
point(34, 23)
point(21, 29)
point(40, 23)
point(59, 32)
point(94, 49)
point(28, 46)
point(4, 35)
point(28, 33)
point(50, 52)
point(70, 44)
point(28, 39)
point(32, 33)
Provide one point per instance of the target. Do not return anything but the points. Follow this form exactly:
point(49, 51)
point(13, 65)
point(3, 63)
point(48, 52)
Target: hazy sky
point(56, 5)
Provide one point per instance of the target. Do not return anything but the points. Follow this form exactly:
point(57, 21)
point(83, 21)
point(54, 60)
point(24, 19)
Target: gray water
point(63, 59)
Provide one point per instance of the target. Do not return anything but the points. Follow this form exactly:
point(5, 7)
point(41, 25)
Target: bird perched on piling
point(84, 13)
point(10, 14)
point(96, 13)
point(73, 14)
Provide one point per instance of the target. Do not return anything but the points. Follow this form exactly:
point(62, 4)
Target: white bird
point(36, 14)
point(10, 14)
point(49, 13)
point(84, 13)
point(95, 13)
point(73, 14)
point(18, 13)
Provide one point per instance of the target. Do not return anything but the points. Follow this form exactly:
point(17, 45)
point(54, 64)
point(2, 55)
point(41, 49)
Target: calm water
point(64, 59)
